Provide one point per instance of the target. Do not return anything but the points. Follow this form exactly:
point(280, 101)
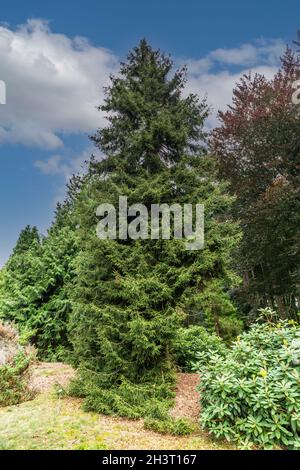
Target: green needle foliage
point(130, 296)
point(33, 285)
point(15, 361)
point(14, 381)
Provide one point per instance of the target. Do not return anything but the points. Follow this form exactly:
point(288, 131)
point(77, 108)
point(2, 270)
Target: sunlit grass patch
point(49, 422)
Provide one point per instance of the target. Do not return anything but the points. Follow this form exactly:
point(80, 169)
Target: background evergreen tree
point(33, 283)
point(130, 296)
point(28, 239)
point(18, 276)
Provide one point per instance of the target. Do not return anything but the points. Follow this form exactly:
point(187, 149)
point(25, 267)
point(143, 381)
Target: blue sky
point(54, 81)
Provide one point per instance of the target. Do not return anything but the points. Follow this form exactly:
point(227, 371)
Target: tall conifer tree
point(130, 296)
point(33, 283)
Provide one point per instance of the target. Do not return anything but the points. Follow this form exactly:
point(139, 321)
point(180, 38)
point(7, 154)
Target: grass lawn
point(48, 422)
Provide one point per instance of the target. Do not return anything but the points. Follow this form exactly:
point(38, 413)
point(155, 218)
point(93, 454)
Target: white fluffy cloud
point(52, 166)
point(54, 84)
point(58, 164)
point(215, 75)
point(217, 88)
point(260, 52)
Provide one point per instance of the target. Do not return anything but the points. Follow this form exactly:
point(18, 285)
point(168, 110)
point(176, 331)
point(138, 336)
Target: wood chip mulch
point(187, 397)
point(45, 375)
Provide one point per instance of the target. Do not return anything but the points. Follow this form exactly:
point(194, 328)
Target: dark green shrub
point(15, 360)
point(252, 395)
point(194, 347)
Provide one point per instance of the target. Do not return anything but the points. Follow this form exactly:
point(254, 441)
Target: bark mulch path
point(45, 375)
point(187, 397)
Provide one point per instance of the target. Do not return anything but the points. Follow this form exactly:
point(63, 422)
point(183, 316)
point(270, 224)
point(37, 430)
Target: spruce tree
point(28, 237)
point(130, 296)
point(18, 276)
